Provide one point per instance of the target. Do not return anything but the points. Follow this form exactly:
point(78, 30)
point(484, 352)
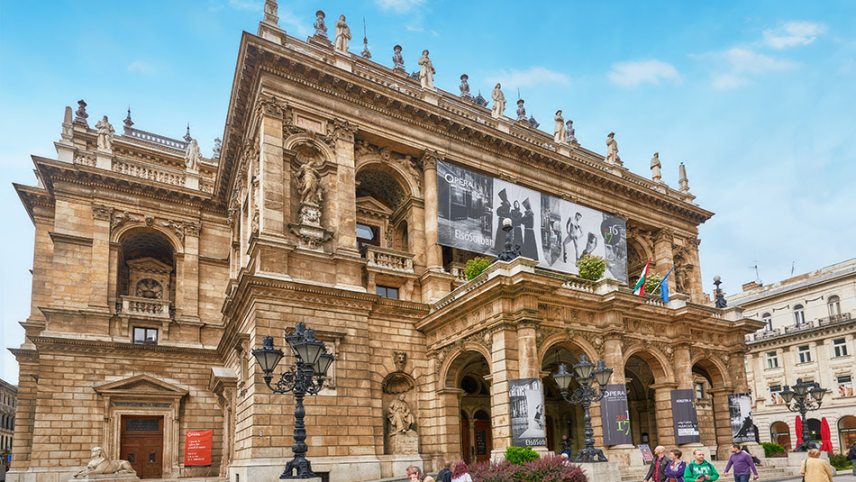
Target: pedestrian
point(814, 469)
point(657, 471)
point(754, 459)
point(459, 473)
point(675, 468)
point(445, 474)
point(414, 474)
point(566, 446)
point(700, 470)
point(743, 464)
point(851, 456)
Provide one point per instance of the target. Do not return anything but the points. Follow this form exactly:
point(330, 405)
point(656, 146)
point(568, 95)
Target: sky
point(756, 98)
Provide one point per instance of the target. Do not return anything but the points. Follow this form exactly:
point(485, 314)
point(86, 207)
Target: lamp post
point(803, 397)
point(305, 377)
point(718, 295)
point(586, 375)
point(509, 252)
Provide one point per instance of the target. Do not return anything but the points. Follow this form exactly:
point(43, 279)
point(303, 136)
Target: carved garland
point(180, 228)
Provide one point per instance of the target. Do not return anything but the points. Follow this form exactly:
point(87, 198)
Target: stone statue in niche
point(310, 184)
point(343, 34)
point(400, 358)
point(104, 140)
point(400, 417)
point(308, 228)
point(99, 464)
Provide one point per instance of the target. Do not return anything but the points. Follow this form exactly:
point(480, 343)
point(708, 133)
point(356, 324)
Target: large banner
point(740, 410)
point(197, 447)
point(685, 417)
point(472, 206)
point(527, 413)
point(616, 417)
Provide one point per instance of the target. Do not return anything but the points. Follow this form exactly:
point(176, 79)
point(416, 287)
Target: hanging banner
point(528, 420)
point(740, 410)
point(685, 417)
point(471, 208)
point(616, 417)
point(197, 447)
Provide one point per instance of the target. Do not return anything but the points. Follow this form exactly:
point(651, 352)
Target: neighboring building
point(8, 396)
point(810, 333)
point(156, 271)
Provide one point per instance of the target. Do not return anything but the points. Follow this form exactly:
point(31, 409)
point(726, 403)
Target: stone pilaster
point(663, 410)
point(683, 366)
point(188, 305)
point(721, 421)
point(271, 198)
point(504, 367)
point(346, 200)
point(663, 259)
point(99, 280)
point(433, 252)
point(613, 356)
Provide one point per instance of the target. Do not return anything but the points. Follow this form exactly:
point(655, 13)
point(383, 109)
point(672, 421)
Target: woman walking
point(675, 468)
point(815, 469)
point(460, 474)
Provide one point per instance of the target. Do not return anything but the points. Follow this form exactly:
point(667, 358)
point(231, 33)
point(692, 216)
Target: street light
point(806, 396)
point(509, 251)
point(307, 376)
point(586, 374)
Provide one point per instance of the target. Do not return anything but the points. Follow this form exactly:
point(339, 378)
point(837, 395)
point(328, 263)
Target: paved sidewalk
point(841, 477)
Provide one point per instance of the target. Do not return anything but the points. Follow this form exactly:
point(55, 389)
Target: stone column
point(527, 350)
point(613, 356)
point(721, 421)
point(683, 366)
point(433, 252)
point(663, 411)
point(504, 367)
point(663, 255)
point(99, 280)
point(450, 423)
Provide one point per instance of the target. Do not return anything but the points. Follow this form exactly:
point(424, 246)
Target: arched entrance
point(846, 433)
point(813, 430)
point(640, 401)
point(469, 375)
point(562, 418)
point(780, 433)
point(712, 405)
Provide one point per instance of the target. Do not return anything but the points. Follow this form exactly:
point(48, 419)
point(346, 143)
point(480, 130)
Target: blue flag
point(664, 286)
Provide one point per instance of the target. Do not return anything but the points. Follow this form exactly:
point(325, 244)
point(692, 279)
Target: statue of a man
point(400, 417)
point(310, 184)
point(397, 58)
point(426, 71)
point(612, 149)
point(105, 135)
point(465, 86)
point(656, 173)
point(570, 132)
point(559, 128)
point(343, 34)
point(498, 98)
point(101, 465)
point(192, 155)
point(521, 110)
point(320, 26)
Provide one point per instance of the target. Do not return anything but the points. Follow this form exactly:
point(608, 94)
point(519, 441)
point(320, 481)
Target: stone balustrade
point(146, 171)
point(132, 305)
point(390, 259)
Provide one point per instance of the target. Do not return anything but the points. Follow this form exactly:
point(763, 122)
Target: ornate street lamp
point(586, 375)
point(803, 397)
point(509, 252)
point(307, 376)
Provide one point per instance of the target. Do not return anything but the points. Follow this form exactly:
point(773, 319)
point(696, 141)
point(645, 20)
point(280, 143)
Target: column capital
point(429, 159)
point(101, 212)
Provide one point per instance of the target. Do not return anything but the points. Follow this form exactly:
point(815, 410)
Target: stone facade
point(8, 397)
point(809, 333)
point(152, 282)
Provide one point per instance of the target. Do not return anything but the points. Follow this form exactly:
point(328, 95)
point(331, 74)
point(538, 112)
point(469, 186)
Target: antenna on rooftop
point(365, 53)
point(793, 265)
point(757, 272)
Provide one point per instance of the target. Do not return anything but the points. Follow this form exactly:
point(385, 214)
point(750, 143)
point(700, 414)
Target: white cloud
point(791, 34)
point(749, 61)
point(630, 74)
point(528, 78)
point(728, 81)
point(252, 5)
point(142, 67)
point(399, 6)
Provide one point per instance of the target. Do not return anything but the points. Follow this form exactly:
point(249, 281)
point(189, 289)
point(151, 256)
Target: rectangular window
point(839, 346)
point(775, 395)
point(367, 234)
point(699, 391)
point(387, 292)
point(845, 386)
point(804, 353)
point(772, 360)
point(145, 336)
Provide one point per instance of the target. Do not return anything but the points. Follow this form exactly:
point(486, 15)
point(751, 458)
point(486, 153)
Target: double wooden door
point(142, 444)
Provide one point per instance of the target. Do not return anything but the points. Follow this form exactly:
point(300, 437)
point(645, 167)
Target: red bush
point(546, 469)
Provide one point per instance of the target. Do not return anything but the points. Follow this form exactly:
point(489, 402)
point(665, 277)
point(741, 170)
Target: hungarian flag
point(639, 289)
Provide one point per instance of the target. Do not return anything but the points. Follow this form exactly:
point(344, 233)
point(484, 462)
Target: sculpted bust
point(101, 465)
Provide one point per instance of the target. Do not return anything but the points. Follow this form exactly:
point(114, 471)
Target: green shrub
point(772, 449)
point(520, 455)
point(839, 461)
point(591, 267)
point(652, 283)
point(476, 266)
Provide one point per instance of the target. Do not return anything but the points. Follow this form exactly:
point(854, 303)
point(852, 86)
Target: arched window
point(768, 321)
point(799, 315)
point(834, 306)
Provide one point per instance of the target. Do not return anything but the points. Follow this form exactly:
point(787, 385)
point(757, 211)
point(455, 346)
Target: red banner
point(197, 447)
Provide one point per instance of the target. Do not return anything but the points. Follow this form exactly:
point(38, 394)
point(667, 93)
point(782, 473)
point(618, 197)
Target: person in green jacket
point(700, 470)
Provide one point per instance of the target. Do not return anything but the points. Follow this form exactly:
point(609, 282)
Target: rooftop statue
point(498, 109)
point(320, 27)
point(465, 86)
point(426, 71)
point(521, 110)
point(656, 173)
point(397, 58)
point(612, 149)
point(559, 128)
point(343, 34)
point(570, 132)
point(192, 155)
point(105, 135)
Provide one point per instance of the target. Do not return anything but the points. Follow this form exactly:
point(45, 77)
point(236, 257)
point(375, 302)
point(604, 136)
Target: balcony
point(389, 259)
point(135, 306)
point(834, 319)
point(802, 327)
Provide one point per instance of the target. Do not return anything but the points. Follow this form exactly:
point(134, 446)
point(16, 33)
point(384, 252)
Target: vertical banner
point(527, 412)
point(684, 415)
point(616, 417)
point(740, 410)
point(471, 208)
point(197, 447)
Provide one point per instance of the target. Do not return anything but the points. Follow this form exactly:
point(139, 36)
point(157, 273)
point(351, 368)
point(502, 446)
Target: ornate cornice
point(45, 344)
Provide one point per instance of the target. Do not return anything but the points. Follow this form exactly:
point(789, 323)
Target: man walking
point(700, 470)
point(851, 456)
point(657, 472)
point(743, 465)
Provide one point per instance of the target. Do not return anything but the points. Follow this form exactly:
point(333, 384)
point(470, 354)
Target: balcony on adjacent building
point(799, 328)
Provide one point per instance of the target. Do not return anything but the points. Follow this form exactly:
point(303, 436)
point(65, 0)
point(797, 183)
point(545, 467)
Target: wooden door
point(484, 442)
point(142, 445)
point(466, 450)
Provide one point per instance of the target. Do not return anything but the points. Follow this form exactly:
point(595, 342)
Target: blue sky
point(756, 98)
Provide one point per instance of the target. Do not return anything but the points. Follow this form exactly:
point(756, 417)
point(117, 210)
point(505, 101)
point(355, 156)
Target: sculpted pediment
point(141, 386)
point(370, 205)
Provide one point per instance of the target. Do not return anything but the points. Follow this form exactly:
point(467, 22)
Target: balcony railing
point(833, 319)
point(389, 259)
point(790, 330)
point(132, 305)
point(457, 270)
point(152, 173)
